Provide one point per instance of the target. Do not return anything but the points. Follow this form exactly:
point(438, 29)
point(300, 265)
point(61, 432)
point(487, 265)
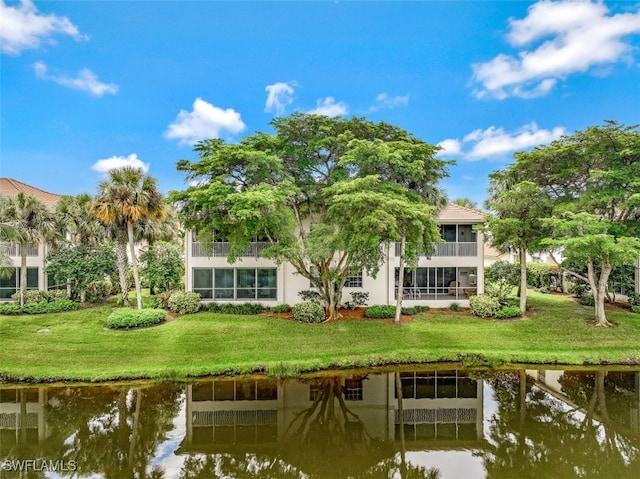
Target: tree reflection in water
point(536, 434)
point(112, 431)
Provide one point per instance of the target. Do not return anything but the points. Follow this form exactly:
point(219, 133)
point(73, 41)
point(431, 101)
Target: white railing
point(221, 249)
point(13, 249)
point(432, 293)
point(451, 249)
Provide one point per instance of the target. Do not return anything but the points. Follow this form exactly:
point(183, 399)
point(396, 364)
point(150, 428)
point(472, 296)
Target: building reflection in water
point(360, 425)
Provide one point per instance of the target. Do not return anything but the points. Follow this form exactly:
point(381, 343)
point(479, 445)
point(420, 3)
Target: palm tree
point(7, 234)
point(32, 222)
point(75, 218)
point(466, 202)
point(125, 199)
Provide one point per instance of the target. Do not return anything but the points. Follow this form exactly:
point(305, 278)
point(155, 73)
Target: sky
point(90, 85)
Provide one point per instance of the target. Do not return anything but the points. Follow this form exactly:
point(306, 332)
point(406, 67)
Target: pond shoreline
point(75, 347)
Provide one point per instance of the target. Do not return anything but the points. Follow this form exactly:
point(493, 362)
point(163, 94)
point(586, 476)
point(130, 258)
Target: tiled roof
point(10, 188)
point(454, 212)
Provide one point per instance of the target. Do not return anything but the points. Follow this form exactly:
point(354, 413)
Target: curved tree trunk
point(599, 290)
point(134, 263)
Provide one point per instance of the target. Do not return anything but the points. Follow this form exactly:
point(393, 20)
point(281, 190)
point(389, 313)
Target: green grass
point(77, 347)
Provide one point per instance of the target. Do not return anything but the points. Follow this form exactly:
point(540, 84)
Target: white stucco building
point(452, 274)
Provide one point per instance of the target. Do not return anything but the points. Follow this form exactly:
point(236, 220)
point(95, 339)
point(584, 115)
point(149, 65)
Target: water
point(445, 424)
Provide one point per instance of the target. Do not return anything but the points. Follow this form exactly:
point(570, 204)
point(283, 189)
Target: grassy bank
point(75, 345)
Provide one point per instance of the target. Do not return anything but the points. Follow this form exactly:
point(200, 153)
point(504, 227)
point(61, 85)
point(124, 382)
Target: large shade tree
point(125, 199)
point(281, 186)
point(593, 180)
point(32, 222)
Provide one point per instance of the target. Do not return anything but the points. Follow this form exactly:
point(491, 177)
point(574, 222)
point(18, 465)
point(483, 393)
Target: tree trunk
point(400, 287)
point(23, 271)
point(333, 302)
point(134, 263)
point(121, 260)
point(523, 280)
point(599, 289)
point(403, 461)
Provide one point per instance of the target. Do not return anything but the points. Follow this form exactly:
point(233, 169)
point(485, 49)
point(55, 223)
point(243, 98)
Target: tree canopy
point(299, 187)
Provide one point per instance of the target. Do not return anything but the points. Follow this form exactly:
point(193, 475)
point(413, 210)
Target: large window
point(458, 233)
point(229, 284)
point(11, 284)
point(354, 281)
point(437, 283)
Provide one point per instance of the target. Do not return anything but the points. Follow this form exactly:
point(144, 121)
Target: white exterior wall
point(381, 289)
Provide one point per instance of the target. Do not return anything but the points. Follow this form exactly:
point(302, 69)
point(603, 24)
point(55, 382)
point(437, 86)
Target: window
point(11, 284)
point(203, 282)
point(354, 281)
point(229, 284)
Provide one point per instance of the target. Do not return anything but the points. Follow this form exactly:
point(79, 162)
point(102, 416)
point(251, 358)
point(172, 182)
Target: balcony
point(451, 249)
point(13, 249)
point(220, 249)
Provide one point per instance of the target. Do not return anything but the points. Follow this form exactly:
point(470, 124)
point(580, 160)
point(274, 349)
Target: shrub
point(308, 312)
point(503, 270)
point(281, 308)
point(310, 295)
point(500, 290)
point(587, 300)
point(126, 318)
point(150, 302)
point(57, 294)
point(31, 296)
point(539, 275)
point(42, 307)
point(509, 312)
point(380, 311)
point(455, 307)
point(358, 298)
point(577, 289)
point(97, 290)
point(483, 305)
point(635, 309)
point(229, 308)
point(410, 311)
point(184, 302)
point(633, 299)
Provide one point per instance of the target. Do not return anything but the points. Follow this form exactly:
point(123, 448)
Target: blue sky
point(86, 85)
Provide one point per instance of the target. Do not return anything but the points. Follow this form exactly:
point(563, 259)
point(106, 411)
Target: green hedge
point(42, 307)
point(248, 309)
point(126, 318)
point(509, 312)
point(380, 311)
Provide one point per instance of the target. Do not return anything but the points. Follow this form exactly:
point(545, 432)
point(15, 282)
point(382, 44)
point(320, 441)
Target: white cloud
point(108, 164)
point(203, 122)
point(450, 147)
point(498, 143)
point(329, 107)
point(86, 80)
point(566, 37)
point(279, 96)
point(23, 28)
point(385, 101)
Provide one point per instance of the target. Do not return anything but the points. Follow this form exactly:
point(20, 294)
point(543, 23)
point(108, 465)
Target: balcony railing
point(451, 249)
point(432, 293)
point(221, 249)
point(13, 249)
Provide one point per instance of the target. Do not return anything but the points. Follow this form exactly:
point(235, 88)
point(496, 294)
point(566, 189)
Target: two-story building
point(36, 253)
point(452, 274)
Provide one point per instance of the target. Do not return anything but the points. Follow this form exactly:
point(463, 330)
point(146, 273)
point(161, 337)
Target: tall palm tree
point(32, 222)
point(125, 199)
point(75, 218)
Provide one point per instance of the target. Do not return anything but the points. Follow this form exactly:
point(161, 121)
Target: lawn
point(76, 346)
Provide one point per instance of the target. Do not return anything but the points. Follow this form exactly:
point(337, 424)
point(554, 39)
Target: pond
point(444, 424)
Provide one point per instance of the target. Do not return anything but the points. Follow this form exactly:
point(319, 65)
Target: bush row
point(38, 296)
point(126, 318)
point(229, 308)
point(43, 307)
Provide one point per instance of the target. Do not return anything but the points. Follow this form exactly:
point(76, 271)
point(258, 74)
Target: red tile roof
point(453, 212)
point(10, 188)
